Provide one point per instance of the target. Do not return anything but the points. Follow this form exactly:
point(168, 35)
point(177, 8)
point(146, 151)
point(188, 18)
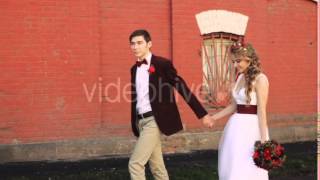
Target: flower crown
point(242, 49)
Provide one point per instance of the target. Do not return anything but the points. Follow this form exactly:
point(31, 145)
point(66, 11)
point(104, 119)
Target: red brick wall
point(284, 34)
point(51, 50)
point(119, 19)
point(47, 50)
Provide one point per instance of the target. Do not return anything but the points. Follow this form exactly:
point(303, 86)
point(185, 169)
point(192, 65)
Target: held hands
point(208, 121)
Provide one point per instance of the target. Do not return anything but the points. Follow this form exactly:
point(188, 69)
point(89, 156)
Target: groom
point(154, 110)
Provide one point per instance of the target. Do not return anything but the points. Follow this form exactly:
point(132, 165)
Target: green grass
point(298, 164)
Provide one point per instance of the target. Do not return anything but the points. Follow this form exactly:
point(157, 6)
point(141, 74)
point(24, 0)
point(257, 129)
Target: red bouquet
point(268, 155)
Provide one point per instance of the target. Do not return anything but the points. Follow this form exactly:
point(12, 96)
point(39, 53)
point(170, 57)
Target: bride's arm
point(262, 90)
point(231, 108)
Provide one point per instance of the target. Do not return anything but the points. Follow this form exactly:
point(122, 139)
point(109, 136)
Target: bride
point(248, 122)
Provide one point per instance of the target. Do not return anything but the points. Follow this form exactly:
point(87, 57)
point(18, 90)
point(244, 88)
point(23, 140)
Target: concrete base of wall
point(104, 148)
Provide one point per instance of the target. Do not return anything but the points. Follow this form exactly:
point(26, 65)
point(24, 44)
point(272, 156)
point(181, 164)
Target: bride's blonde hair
point(246, 51)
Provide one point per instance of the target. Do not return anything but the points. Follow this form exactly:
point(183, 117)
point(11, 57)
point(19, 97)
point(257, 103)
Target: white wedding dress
point(236, 146)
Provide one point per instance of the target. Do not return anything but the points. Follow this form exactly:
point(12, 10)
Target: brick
point(50, 48)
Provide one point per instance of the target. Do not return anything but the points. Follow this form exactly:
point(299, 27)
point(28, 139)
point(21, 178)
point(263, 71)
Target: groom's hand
point(206, 120)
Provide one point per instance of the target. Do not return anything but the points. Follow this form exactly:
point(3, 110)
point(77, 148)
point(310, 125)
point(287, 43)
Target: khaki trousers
point(148, 148)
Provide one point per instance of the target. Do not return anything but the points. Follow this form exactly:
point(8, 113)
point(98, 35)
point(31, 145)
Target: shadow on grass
point(199, 165)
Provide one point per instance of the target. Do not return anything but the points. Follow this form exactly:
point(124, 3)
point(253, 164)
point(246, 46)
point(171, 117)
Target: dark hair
point(140, 32)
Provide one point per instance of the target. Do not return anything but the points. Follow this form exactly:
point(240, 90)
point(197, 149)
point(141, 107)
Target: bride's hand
point(212, 120)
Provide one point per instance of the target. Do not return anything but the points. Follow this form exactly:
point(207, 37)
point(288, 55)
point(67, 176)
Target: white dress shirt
point(142, 87)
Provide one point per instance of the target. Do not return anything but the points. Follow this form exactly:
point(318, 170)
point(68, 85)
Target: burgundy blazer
point(161, 91)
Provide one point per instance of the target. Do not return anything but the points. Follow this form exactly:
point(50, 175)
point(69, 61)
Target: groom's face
point(140, 47)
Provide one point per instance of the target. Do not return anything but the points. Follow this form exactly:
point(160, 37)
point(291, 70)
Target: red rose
point(151, 69)
point(276, 162)
point(279, 150)
point(256, 155)
point(267, 154)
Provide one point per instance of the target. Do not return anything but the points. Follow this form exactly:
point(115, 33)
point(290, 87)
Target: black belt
point(145, 115)
point(246, 109)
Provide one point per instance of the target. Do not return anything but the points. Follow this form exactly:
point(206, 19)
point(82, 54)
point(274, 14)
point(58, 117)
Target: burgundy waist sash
point(246, 109)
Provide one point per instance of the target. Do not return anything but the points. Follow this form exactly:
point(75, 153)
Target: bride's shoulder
point(261, 79)
point(239, 77)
